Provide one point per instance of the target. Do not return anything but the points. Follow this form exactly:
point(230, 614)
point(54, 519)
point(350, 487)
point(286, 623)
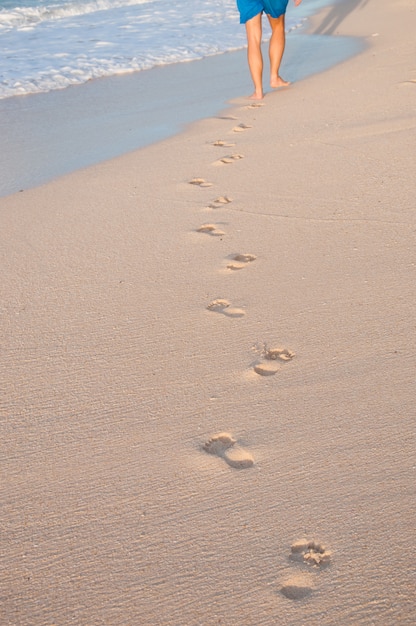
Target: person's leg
point(254, 55)
point(276, 50)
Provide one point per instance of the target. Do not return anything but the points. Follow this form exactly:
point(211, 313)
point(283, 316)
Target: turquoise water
point(53, 44)
point(49, 134)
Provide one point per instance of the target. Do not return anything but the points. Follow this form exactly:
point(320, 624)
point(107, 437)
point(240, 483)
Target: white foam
point(29, 16)
point(51, 45)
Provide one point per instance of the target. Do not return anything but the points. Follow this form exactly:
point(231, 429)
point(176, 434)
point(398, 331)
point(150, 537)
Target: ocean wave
point(102, 38)
point(28, 17)
point(85, 70)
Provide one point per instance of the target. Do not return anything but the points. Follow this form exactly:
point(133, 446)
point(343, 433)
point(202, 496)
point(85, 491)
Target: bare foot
point(257, 96)
point(277, 82)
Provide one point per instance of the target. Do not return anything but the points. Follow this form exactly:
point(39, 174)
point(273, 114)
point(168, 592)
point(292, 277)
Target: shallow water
point(51, 44)
point(47, 135)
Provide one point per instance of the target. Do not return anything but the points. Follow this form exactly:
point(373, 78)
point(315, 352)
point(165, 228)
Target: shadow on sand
point(336, 15)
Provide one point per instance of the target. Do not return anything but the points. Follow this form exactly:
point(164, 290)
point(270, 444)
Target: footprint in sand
point(220, 202)
point(210, 229)
point(223, 306)
point(310, 552)
point(220, 143)
point(226, 447)
point(229, 159)
point(272, 356)
point(255, 105)
point(297, 587)
point(200, 182)
point(283, 354)
point(240, 260)
point(241, 127)
point(266, 369)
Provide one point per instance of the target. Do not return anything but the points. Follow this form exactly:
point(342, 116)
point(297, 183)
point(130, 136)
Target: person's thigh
point(249, 8)
point(275, 8)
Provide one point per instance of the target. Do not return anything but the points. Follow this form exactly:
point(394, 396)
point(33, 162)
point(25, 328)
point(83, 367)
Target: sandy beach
point(208, 363)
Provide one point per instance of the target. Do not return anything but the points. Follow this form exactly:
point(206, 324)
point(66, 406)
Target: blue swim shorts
point(250, 8)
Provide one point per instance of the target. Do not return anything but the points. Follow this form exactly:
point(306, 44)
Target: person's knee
point(254, 30)
point(254, 39)
point(277, 23)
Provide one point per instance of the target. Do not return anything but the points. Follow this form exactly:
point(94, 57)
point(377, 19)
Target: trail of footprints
point(305, 554)
point(308, 556)
point(270, 360)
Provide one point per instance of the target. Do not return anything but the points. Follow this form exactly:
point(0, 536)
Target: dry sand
point(216, 426)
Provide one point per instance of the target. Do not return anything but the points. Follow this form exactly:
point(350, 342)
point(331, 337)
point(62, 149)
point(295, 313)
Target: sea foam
point(51, 45)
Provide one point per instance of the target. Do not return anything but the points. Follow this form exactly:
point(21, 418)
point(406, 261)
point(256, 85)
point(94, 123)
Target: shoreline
point(49, 135)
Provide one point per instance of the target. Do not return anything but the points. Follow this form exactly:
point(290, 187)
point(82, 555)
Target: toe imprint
point(310, 552)
point(272, 357)
point(218, 305)
point(217, 444)
point(279, 353)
